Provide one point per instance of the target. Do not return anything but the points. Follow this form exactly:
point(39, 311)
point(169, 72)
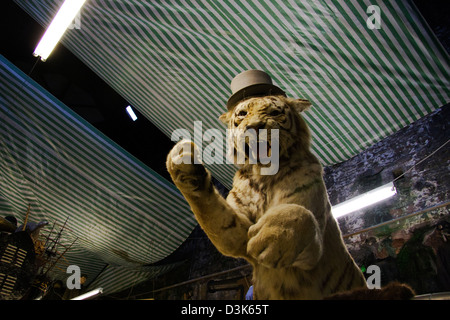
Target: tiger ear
point(299, 105)
point(224, 118)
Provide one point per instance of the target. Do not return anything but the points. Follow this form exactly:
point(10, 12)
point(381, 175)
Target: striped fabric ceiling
point(173, 61)
point(118, 210)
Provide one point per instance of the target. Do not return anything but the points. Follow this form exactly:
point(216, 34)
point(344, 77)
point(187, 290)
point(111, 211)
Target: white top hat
point(251, 83)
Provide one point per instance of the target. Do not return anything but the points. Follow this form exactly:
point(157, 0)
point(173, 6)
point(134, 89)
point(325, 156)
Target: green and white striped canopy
point(119, 212)
point(174, 60)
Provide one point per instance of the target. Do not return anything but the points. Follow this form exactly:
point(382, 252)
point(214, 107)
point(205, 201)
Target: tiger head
point(259, 122)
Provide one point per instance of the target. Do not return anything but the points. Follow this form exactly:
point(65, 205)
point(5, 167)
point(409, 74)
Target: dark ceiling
point(82, 90)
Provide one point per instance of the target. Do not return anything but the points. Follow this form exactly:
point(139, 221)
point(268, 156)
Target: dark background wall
point(408, 236)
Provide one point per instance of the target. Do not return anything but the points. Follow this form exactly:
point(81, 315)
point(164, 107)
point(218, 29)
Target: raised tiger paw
point(280, 236)
point(185, 167)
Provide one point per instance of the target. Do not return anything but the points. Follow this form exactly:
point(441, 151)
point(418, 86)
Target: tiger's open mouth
point(251, 149)
point(258, 150)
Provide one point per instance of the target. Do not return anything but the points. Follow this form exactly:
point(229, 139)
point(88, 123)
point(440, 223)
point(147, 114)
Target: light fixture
point(131, 113)
point(364, 200)
point(89, 294)
point(58, 26)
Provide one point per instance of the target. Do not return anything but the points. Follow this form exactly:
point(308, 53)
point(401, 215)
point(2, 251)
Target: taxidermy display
point(281, 221)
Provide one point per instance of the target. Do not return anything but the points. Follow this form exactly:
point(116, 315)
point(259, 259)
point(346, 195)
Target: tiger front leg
point(224, 227)
point(286, 235)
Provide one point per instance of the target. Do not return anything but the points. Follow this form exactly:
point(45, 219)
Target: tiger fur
point(282, 223)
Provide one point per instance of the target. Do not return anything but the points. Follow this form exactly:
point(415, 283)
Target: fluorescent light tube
point(364, 200)
point(89, 294)
point(131, 113)
point(57, 27)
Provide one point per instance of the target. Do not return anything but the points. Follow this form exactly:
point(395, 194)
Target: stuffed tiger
point(280, 223)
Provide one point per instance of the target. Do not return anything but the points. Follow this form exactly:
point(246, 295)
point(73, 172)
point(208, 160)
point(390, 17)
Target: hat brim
point(257, 90)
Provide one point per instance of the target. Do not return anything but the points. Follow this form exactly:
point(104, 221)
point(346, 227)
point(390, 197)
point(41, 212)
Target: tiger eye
point(242, 113)
point(275, 113)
